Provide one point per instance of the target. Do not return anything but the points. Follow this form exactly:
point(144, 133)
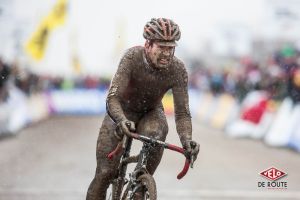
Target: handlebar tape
point(187, 161)
point(184, 170)
point(115, 152)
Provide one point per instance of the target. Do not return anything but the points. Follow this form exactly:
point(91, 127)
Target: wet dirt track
point(55, 160)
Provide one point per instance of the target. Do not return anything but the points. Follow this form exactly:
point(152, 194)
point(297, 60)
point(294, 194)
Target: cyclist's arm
point(181, 105)
point(118, 87)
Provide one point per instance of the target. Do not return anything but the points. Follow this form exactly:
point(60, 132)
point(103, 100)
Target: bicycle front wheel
point(149, 187)
point(146, 189)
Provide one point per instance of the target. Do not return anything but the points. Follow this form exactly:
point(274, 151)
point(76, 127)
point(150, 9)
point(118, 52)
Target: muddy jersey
point(137, 87)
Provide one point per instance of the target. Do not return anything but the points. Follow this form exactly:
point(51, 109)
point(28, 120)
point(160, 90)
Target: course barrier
point(77, 102)
point(13, 112)
point(257, 117)
point(275, 123)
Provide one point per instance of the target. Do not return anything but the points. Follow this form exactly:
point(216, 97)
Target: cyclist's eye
point(167, 49)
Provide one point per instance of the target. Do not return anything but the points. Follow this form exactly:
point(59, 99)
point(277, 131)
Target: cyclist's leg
point(154, 124)
point(106, 168)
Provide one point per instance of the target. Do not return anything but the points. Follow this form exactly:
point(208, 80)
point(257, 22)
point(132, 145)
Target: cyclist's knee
point(154, 159)
point(159, 133)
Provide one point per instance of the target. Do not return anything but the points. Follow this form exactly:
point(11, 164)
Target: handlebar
point(187, 160)
point(160, 143)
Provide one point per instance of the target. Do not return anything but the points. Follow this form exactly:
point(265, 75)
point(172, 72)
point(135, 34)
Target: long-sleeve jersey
point(137, 87)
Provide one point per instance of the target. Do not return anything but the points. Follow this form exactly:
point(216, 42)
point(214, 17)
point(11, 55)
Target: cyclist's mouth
point(164, 61)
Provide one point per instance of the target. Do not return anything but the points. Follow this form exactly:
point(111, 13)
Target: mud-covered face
point(160, 55)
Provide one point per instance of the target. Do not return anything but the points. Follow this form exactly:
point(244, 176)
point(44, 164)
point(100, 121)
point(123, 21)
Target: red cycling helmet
point(163, 30)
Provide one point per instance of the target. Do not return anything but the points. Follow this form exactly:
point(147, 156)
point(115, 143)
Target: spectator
point(294, 85)
point(4, 76)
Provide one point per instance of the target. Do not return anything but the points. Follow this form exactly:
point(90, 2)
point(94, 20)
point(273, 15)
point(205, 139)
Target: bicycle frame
point(141, 159)
point(140, 169)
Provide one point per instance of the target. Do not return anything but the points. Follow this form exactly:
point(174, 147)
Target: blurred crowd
point(30, 83)
point(278, 74)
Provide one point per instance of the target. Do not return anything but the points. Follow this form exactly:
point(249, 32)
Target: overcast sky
point(100, 31)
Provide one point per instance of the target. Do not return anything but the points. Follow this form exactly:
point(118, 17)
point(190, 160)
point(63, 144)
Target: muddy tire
point(148, 191)
point(148, 182)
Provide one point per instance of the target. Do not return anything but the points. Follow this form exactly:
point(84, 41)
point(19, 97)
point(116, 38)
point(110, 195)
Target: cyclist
point(134, 104)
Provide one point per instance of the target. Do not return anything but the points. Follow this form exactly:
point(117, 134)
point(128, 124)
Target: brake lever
point(192, 161)
point(192, 156)
point(125, 140)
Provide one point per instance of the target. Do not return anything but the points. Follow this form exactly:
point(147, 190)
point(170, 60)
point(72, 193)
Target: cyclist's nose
point(166, 53)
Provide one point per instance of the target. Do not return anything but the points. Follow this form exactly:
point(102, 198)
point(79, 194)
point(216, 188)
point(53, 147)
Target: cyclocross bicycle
point(140, 181)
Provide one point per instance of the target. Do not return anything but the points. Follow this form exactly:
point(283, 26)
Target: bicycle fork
point(140, 169)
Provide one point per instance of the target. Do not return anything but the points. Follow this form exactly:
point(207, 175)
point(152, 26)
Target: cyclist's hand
point(126, 126)
point(192, 148)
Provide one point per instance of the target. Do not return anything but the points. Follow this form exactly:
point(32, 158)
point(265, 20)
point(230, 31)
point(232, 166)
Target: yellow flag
point(37, 44)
